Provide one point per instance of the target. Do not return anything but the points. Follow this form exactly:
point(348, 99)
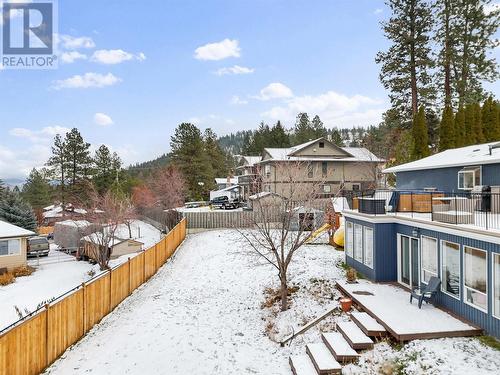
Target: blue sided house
point(442, 220)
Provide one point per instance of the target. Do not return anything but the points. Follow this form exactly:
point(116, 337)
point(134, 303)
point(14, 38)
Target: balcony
point(473, 210)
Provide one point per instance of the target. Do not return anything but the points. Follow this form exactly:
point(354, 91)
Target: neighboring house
point(67, 233)
point(450, 231)
point(265, 200)
point(117, 246)
point(232, 192)
point(455, 170)
point(13, 245)
point(56, 212)
point(223, 183)
point(249, 177)
point(319, 162)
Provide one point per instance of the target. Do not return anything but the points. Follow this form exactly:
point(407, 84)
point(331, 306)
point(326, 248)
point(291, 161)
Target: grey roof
point(8, 230)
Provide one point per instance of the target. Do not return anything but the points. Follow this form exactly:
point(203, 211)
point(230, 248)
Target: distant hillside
point(149, 165)
point(233, 143)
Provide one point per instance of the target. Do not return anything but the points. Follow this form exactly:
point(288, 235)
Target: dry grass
point(274, 295)
point(7, 278)
point(23, 271)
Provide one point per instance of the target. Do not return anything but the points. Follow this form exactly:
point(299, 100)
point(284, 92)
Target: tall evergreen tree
point(420, 136)
point(77, 157)
point(215, 154)
point(470, 135)
point(489, 115)
point(447, 130)
point(16, 211)
point(318, 127)
point(473, 29)
point(2, 189)
point(303, 131)
point(477, 127)
point(406, 65)
point(58, 166)
point(37, 190)
point(336, 138)
point(459, 123)
point(106, 169)
point(278, 136)
point(187, 153)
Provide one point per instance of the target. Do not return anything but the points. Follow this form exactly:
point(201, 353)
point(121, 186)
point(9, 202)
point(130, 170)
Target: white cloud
point(73, 42)
point(72, 56)
point(275, 90)
point(18, 163)
point(103, 119)
point(115, 56)
point(489, 8)
point(44, 135)
point(218, 51)
point(235, 69)
point(378, 11)
point(334, 109)
point(87, 80)
point(237, 100)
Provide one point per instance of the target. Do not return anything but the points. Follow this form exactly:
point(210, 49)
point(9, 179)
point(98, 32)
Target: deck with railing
point(473, 210)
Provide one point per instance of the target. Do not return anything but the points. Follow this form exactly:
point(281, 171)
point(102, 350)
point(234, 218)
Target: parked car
point(225, 202)
point(38, 246)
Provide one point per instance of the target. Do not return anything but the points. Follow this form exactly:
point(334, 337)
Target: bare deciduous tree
point(168, 186)
point(106, 212)
point(281, 224)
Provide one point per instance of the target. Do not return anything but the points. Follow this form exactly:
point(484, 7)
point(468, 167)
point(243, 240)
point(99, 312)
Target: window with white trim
point(450, 268)
point(349, 239)
point(267, 170)
point(475, 277)
point(368, 246)
point(429, 258)
point(469, 177)
point(10, 247)
point(358, 242)
point(327, 189)
point(496, 285)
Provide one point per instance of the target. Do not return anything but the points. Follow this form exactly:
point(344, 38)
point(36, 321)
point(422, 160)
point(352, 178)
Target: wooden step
point(339, 347)
point(322, 359)
point(354, 335)
point(302, 365)
point(368, 325)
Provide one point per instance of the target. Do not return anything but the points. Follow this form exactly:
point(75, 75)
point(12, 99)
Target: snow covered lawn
point(203, 313)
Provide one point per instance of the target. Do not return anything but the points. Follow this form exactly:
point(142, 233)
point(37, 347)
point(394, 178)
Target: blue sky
point(130, 71)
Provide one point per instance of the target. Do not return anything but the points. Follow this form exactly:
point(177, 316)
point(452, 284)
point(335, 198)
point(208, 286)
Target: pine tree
point(2, 189)
point(318, 127)
point(444, 15)
point(278, 136)
point(470, 135)
point(420, 136)
point(78, 158)
point(15, 211)
point(447, 130)
point(187, 153)
point(406, 65)
point(459, 124)
point(336, 138)
point(477, 128)
point(473, 30)
point(106, 169)
point(57, 164)
point(489, 115)
point(37, 190)
point(215, 154)
point(302, 130)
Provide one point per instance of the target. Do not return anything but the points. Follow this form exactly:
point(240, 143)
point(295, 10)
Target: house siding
point(385, 268)
point(13, 261)
point(444, 179)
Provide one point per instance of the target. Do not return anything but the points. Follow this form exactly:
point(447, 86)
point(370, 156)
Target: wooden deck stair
point(338, 347)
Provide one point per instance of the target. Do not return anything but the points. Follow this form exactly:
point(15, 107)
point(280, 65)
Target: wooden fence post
point(84, 310)
point(110, 289)
point(47, 349)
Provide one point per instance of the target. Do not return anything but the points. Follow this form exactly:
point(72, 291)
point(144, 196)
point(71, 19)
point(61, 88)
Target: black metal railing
point(459, 208)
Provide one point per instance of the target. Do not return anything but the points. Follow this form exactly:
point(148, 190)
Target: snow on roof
point(251, 160)
point(261, 195)
point(8, 230)
point(226, 188)
point(456, 157)
point(232, 180)
point(74, 223)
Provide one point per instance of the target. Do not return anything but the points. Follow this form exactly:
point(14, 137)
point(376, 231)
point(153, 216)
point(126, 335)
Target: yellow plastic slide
point(338, 236)
point(317, 232)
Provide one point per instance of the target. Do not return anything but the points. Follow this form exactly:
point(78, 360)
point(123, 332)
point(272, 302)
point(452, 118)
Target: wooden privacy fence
point(226, 219)
point(35, 343)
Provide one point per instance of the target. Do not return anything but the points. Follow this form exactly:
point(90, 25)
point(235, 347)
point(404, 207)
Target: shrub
point(7, 278)
point(23, 271)
point(351, 274)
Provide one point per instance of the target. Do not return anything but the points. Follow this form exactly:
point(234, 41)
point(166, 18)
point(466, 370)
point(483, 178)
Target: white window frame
point(468, 171)
point(443, 287)
point(19, 252)
point(421, 259)
point(365, 246)
point(327, 189)
point(267, 170)
point(350, 243)
point(354, 242)
point(465, 287)
point(493, 282)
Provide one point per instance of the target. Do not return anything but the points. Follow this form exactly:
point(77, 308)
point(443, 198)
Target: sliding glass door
point(409, 273)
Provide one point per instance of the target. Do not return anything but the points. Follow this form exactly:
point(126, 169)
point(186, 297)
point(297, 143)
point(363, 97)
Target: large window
point(368, 248)
point(10, 247)
point(429, 257)
point(496, 285)
point(450, 270)
point(475, 277)
point(469, 177)
point(358, 242)
point(349, 239)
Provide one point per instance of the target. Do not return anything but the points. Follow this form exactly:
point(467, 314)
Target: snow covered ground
point(56, 274)
point(203, 313)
